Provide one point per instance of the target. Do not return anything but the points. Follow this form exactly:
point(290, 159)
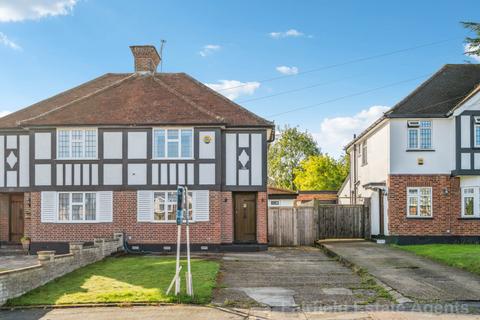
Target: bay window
point(165, 206)
point(419, 202)
point(173, 143)
point(77, 206)
point(76, 143)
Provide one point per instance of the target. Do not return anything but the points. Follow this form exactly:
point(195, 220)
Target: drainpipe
point(354, 171)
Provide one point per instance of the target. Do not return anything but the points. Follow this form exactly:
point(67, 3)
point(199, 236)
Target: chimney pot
point(146, 58)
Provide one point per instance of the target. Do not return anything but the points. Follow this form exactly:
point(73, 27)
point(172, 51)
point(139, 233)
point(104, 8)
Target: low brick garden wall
point(14, 283)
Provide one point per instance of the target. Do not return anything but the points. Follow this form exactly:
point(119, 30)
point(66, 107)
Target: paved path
point(205, 313)
point(289, 277)
point(413, 276)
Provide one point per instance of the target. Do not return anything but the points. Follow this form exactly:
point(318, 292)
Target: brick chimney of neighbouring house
point(146, 58)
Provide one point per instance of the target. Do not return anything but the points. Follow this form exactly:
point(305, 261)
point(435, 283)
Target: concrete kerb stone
point(399, 298)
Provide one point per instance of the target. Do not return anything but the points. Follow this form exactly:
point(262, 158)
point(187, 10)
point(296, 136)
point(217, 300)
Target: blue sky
point(52, 45)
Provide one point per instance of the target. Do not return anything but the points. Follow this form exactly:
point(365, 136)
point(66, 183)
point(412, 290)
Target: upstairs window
point(419, 135)
point(364, 153)
point(77, 143)
point(173, 143)
point(477, 132)
point(419, 202)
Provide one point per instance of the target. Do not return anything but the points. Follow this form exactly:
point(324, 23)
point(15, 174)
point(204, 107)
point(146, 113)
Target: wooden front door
point(245, 215)
point(16, 217)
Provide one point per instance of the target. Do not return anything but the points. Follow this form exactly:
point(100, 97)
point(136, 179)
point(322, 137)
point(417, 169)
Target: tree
point(285, 154)
point(472, 47)
point(321, 172)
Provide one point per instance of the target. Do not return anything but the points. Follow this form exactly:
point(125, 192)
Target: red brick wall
point(4, 217)
point(446, 208)
point(218, 230)
point(262, 218)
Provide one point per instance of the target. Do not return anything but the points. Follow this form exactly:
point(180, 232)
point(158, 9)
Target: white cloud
point(20, 10)
point(287, 70)
point(285, 34)
point(4, 113)
point(209, 49)
point(337, 132)
point(232, 89)
point(8, 43)
point(468, 48)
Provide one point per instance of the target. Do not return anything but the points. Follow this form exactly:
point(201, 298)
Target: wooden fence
point(304, 225)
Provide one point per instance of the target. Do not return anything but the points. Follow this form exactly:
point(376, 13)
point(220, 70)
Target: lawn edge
point(397, 296)
point(439, 261)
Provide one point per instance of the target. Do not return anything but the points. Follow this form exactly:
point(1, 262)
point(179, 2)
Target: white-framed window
point(165, 206)
point(477, 136)
point(470, 202)
point(173, 143)
point(77, 143)
point(419, 202)
point(77, 207)
point(364, 153)
point(419, 135)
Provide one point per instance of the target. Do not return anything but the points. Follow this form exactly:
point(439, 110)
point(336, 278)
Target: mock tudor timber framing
point(88, 174)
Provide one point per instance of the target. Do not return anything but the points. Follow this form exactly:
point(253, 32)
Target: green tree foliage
point(286, 153)
point(473, 44)
point(321, 172)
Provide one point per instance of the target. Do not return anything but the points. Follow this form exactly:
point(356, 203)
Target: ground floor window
point(165, 206)
point(419, 202)
point(470, 204)
point(77, 206)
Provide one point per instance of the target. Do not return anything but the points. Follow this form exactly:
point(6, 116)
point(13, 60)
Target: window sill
point(469, 218)
point(172, 159)
point(76, 159)
point(420, 150)
point(420, 218)
point(166, 222)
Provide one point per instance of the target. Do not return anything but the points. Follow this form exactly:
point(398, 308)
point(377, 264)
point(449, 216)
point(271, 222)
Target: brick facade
point(218, 230)
point(446, 207)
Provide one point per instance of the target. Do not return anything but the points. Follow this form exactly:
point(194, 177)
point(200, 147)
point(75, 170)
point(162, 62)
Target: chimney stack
point(146, 58)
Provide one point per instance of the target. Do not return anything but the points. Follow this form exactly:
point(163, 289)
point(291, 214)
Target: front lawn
point(464, 256)
point(124, 280)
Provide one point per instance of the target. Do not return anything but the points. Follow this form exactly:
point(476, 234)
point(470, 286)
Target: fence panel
point(289, 226)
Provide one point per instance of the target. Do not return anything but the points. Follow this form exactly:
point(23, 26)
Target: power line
point(349, 96)
point(299, 89)
point(348, 62)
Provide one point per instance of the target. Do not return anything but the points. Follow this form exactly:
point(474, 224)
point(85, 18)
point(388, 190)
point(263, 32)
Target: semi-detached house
point(419, 164)
point(107, 156)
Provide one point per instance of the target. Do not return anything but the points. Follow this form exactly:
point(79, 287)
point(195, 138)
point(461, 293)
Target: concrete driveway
point(290, 277)
point(418, 278)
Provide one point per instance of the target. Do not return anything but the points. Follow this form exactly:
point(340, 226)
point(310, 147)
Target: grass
point(369, 283)
point(463, 256)
point(124, 280)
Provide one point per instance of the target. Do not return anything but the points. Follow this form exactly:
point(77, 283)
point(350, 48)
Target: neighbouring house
point(419, 164)
point(107, 156)
point(306, 197)
point(278, 197)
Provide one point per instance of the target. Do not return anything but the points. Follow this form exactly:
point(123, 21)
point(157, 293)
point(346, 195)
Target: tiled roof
point(136, 99)
point(439, 94)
